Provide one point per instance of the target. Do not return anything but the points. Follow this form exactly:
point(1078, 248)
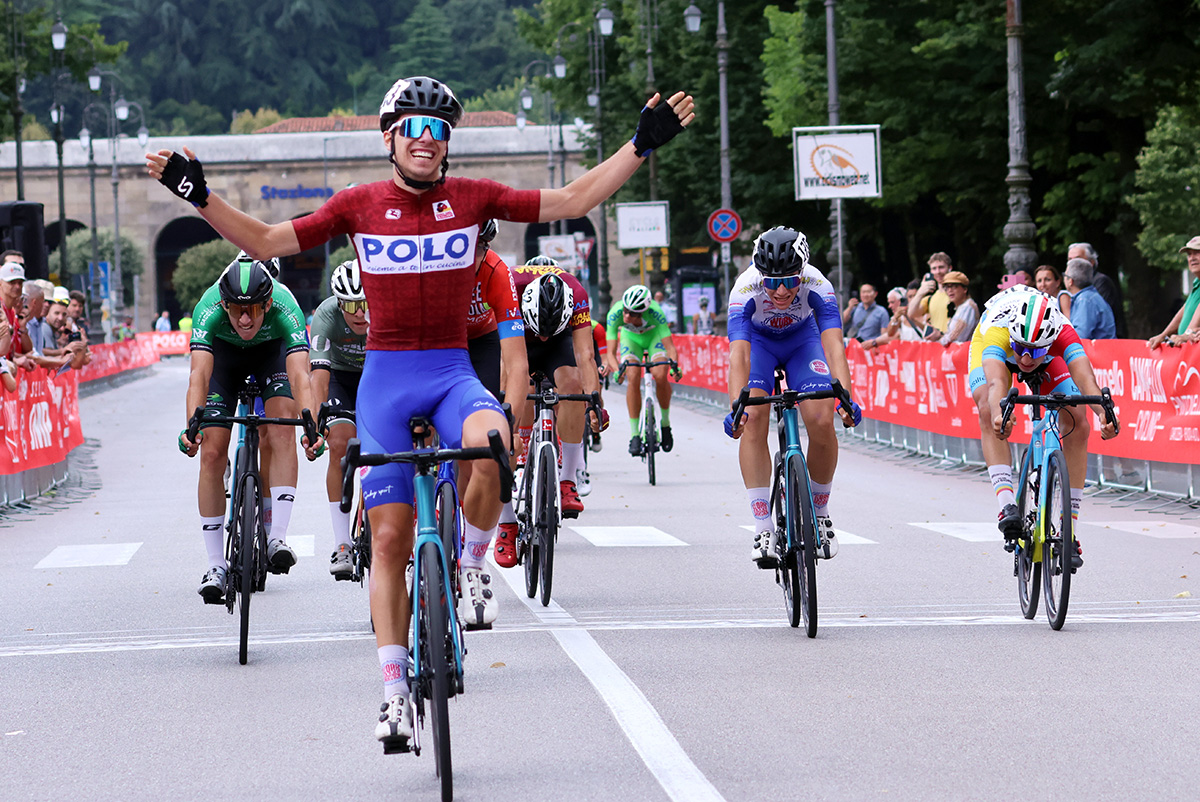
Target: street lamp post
point(837, 254)
point(58, 39)
point(526, 103)
point(691, 18)
point(85, 139)
point(1020, 230)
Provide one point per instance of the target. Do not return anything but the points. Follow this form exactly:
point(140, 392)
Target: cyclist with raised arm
point(637, 330)
point(1023, 331)
point(339, 343)
point(415, 236)
point(249, 326)
point(783, 313)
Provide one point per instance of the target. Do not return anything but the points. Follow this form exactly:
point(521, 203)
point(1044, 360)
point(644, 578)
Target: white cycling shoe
point(478, 606)
point(763, 551)
point(395, 727)
point(583, 482)
point(829, 544)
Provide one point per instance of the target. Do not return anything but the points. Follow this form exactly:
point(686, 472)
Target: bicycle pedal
point(1010, 546)
point(395, 746)
point(477, 627)
point(570, 514)
point(345, 577)
point(273, 570)
point(767, 564)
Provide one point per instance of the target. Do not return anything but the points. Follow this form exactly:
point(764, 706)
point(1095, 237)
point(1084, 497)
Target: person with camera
point(931, 303)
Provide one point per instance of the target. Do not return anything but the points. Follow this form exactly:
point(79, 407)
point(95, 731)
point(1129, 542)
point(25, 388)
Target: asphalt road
point(663, 669)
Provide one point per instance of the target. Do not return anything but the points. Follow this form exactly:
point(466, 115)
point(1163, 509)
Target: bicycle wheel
point(527, 521)
point(803, 554)
point(1029, 573)
point(1059, 545)
point(447, 518)
point(435, 634)
point(547, 527)
point(650, 440)
point(247, 531)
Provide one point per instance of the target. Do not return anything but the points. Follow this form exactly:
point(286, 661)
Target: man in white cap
point(1185, 325)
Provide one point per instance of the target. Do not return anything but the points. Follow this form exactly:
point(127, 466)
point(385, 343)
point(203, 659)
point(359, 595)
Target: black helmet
point(245, 282)
point(419, 95)
point(547, 305)
point(780, 251)
point(487, 231)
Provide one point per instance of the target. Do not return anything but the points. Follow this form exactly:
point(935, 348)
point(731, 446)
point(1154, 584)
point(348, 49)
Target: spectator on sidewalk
point(1185, 326)
point(863, 318)
point(124, 331)
point(898, 324)
point(1048, 279)
point(163, 322)
point(1091, 316)
point(58, 324)
point(964, 310)
point(12, 281)
point(702, 321)
point(43, 347)
point(1109, 289)
point(75, 307)
point(931, 303)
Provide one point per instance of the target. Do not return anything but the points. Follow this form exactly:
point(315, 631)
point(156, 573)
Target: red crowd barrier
point(924, 386)
point(40, 420)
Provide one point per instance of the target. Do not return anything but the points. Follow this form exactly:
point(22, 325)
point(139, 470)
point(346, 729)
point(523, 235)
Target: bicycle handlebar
point(494, 450)
point(632, 363)
point(327, 410)
point(789, 398)
point(305, 420)
point(1057, 400)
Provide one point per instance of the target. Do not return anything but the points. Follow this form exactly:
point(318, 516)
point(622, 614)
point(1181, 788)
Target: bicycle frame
point(789, 446)
point(1044, 441)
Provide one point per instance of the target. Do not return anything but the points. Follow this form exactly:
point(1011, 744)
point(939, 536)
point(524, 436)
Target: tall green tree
point(79, 253)
point(1167, 199)
point(198, 268)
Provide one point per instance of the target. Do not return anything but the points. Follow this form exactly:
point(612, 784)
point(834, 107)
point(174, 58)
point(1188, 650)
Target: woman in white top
point(966, 313)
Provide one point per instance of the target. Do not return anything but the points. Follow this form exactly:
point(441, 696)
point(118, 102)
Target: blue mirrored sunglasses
point(413, 127)
point(1020, 349)
point(787, 282)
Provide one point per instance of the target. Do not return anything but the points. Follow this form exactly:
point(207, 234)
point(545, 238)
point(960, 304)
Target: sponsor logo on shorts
point(383, 492)
point(819, 367)
point(442, 210)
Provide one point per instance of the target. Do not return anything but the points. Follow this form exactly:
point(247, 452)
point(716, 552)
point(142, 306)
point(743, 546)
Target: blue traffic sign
point(724, 225)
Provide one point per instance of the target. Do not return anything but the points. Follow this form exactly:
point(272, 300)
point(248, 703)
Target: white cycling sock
point(341, 524)
point(393, 660)
point(282, 498)
point(1002, 483)
point(267, 513)
point(1076, 501)
point(760, 507)
point(214, 539)
point(821, 495)
point(507, 515)
point(572, 457)
point(475, 545)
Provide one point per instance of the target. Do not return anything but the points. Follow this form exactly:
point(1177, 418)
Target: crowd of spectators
point(42, 325)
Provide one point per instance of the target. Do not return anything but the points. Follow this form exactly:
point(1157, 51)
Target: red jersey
point(527, 274)
point(417, 253)
point(600, 337)
point(495, 303)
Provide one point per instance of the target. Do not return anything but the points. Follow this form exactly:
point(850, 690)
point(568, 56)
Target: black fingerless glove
point(657, 127)
point(185, 177)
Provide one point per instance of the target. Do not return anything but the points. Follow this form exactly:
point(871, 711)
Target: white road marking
point(559, 622)
point(844, 538)
point(626, 536)
point(87, 556)
point(1165, 530)
point(970, 532)
point(303, 545)
point(644, 728)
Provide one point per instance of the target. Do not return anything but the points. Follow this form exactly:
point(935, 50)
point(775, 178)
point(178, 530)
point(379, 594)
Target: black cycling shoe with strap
point(667, 440)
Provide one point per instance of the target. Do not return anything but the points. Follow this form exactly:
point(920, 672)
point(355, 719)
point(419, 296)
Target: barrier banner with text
point(40, 420)
point(924, 386)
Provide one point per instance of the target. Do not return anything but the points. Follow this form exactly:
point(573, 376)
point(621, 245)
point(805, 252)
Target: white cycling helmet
point(547, 305)
point(636, 299)
point(346, 282)
point(1036, 322)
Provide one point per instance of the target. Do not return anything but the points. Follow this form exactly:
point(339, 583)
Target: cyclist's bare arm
point(201, 371)
point(319, 386)
point(999, 380)
point(585, 359)
point(1084, 377)
point(298, 377)
point(514, 371)
point(610, 357)
point(835, 355)
point(260, 240)
point(598, 184)
point(669, 347)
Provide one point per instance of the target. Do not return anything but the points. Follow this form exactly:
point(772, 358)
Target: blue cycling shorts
point(396, 385)
point(800, 355)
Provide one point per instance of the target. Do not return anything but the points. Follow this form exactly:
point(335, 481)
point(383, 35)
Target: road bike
point(1044, 552)
point(436, 641)
point(246, 536)
point(649, 414)
point(539, 504)
point(797, 536)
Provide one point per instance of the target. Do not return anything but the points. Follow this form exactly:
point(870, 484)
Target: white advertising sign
point(837, 162)
point(561, 249)
point(643, 225)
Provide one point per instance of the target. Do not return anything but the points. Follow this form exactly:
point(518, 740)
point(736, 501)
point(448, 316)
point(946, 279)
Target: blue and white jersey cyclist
point(784, 313)
point(415, 236)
